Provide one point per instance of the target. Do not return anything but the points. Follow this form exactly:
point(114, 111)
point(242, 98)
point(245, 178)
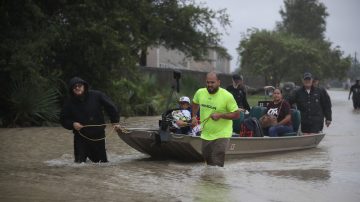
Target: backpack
point(251, 128)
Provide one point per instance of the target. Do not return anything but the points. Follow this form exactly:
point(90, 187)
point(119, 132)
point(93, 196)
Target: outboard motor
point(287, 89)
point(165, 122)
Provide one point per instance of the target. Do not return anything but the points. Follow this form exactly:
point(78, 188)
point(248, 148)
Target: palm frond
point(32, 104)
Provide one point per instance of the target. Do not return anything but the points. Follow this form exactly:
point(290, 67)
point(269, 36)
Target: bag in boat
point(267, 120)
point(251, 128)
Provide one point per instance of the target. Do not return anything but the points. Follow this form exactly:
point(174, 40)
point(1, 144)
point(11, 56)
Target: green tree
point(277, 56)
point(100, 41)
point(101, 36)
point(354, 71)
point(29, 93)
point(333, 65)
point(296, 46)
point(307, 19)
point(180, 25)
point(304, 18)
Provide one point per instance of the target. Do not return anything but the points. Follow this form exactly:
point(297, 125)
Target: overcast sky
point(343, 27)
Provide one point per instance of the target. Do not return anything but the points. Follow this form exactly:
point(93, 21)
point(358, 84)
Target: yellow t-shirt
point(221, 102)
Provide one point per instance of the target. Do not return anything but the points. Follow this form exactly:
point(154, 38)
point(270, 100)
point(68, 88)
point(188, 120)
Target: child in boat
point(182, 116)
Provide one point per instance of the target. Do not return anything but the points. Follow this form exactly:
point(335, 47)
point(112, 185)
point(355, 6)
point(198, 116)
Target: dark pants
point(356, 102)
point(313, 127)
point(278, 130)
point(94, 150)
point(214, 151)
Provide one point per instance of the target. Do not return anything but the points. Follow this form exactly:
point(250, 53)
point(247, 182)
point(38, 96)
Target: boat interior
point(258, 111)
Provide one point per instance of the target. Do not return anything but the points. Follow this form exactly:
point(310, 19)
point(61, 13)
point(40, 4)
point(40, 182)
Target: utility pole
point(355, 60)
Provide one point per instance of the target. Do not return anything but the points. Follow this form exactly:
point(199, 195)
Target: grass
point(253, 99)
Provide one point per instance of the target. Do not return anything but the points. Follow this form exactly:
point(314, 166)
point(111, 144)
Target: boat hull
point(188, 148)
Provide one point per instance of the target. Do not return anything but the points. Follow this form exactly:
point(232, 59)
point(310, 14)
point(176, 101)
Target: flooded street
point(36, 164)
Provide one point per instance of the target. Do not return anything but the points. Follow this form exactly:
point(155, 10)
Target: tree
point(96, 40)
point(296, 46)
point(334, 64)
point(354, 71)
point(92, 38)
point(180, 25)
point(277, 56)
point(304, 18)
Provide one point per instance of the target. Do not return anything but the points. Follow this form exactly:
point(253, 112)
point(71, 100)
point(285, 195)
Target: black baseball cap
point(237, 77)
point(307, 75)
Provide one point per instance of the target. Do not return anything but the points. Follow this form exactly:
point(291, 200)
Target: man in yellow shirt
point(217, 110)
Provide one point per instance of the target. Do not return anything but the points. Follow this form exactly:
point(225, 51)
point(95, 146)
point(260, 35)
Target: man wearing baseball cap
point(237, 89)
point(313, 105)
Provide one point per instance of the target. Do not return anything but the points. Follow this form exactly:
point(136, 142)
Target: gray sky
point(343, 27)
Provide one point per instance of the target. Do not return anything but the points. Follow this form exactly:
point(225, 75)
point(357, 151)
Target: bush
point(140, 96)
point(31, 103)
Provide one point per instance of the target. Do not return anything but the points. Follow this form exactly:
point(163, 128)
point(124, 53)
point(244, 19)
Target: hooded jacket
point(87, 110)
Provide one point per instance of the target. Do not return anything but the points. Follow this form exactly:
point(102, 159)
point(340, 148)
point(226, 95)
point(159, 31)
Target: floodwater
point(36, 164)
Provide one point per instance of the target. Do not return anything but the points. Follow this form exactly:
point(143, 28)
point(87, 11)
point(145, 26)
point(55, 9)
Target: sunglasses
point(78, 85)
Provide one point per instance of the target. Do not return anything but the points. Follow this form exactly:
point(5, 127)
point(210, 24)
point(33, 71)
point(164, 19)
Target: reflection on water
point(301, 174)
point(37, 165)
point(212, 186)
point(68, 160)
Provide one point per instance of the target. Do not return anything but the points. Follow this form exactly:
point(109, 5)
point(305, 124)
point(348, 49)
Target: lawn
point(253, 99)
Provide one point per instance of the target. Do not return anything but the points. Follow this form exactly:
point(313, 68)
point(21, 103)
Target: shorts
point(214, 151)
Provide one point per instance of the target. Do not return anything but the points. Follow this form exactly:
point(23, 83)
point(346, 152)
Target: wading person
point(355, 90)
point(84, 108)
point(314, 106)
point(217, 110)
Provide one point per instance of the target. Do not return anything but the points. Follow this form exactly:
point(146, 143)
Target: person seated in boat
point(238, 90)
point(182, 116)
point(279, 111)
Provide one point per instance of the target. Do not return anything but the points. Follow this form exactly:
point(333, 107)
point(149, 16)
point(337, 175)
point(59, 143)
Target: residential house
point(175, 59)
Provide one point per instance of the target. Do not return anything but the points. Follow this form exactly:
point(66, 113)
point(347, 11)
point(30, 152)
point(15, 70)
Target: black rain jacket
point(88, 110)
point(240, 97)
point(314, 106)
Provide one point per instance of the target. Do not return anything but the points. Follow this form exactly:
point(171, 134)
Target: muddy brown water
point(36, 164)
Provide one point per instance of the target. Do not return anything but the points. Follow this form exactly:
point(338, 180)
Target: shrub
point(31, 104)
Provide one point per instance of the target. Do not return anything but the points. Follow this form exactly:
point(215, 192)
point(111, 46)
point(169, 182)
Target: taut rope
point(121, 128)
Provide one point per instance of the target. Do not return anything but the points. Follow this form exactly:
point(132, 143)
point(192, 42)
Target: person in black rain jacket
point(314, 105)
point(85, 107)
point(237, 89)
point(355, 90)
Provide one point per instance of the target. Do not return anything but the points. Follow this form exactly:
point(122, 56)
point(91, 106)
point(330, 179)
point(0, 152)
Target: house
point(175, 59)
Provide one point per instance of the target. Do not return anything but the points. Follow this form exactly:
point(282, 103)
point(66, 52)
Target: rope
point(121, 128)
point(204, 122)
